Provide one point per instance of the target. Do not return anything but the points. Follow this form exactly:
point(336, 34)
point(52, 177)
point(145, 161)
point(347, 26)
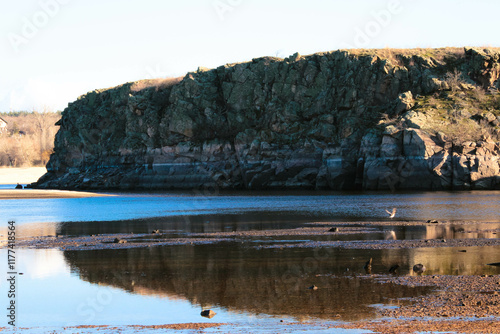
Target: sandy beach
point(21, 175)
point(29, 175)
point(39, 193)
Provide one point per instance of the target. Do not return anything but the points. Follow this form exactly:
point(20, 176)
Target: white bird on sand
point(392, 214)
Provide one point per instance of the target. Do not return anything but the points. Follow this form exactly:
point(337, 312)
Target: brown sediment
point(460, 304)
point(181, 326)
point(107, 241)
point(35, 193)
point(321, 229)
point(456, 296)
point(309, 231)
point(185, 326)
point(423, 326)
point(399, 223)
point(389, 244)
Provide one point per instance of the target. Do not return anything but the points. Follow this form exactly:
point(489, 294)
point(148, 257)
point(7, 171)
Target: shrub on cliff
point(158, 84)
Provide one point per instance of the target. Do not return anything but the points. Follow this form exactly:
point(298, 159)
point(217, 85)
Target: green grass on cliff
point(467, 114)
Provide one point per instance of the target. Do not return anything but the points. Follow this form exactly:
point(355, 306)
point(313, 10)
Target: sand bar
point(39, 193)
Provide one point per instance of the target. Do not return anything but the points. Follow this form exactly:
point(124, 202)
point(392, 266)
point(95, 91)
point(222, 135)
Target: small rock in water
point(419, 268)
point(155, 232)
point(333, 229)
point(313, 287)
point(393, 270)
point(432, 221)
point(119, 241)
point(444, 240)
point(19, 186)
point(208, 314)
point(368, 266)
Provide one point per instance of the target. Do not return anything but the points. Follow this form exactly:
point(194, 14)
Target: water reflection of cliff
point(188, 224)
point(244, 279)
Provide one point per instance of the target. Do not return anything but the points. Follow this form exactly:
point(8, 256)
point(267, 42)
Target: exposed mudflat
point(107, 241)
point(456, 296)
point(131, 240)
point(396, 326)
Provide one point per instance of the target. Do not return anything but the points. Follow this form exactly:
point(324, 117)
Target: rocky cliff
point(362, 119)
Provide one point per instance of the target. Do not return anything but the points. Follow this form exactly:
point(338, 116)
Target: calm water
point(241, 283)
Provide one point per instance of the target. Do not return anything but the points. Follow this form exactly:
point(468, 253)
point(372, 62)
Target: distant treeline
point(27, 138)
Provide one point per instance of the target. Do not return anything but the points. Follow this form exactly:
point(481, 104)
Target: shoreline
point(6, 194)
point(388, 326)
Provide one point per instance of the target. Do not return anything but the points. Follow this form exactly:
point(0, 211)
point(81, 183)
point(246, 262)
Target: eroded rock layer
point(327, 121)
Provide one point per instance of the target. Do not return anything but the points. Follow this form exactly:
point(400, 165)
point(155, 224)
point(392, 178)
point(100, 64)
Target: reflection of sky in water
point(7, 186)
point(52, 294)
point(49, 295)
point(480, 206)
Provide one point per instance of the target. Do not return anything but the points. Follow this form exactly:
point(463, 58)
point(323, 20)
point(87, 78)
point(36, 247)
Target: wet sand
point(395, 326)
point(179, 328)
point(387, 326)
point(135, 240)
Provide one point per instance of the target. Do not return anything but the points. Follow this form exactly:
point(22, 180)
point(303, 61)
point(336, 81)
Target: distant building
point(3, 125)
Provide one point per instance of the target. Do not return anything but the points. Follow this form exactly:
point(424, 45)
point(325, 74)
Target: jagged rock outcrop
point(302, 122)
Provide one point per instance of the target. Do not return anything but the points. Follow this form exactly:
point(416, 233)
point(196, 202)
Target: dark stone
point(368, 266)
point(419, 268)
point(208, 314)
point(393, 269)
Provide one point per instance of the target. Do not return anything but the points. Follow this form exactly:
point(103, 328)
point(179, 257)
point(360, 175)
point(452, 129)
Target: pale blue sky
point(56, 50)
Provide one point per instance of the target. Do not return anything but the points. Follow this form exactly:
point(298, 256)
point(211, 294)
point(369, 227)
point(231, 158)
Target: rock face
point(302, 122)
